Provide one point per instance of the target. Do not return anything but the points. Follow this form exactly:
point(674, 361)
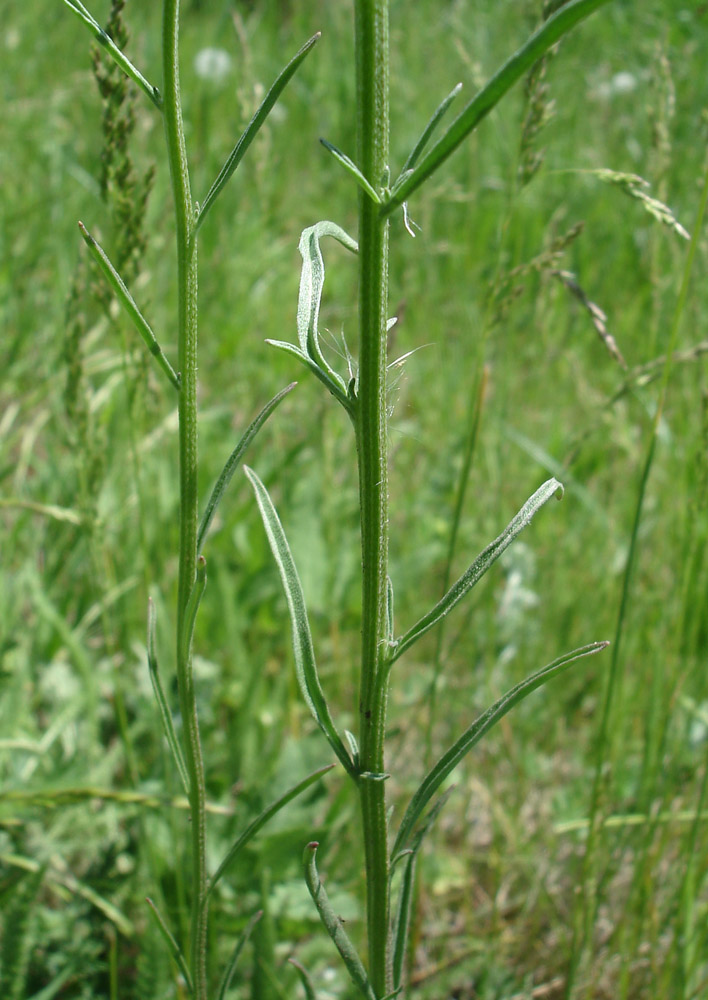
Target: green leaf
point(253, 127)
point(427, 132)
point(233, 461)
point(128, 303)
point(479, 107)
point(171, 942)
point(106, 42)
point(401, 923)
point(305, 664)
point(351, 168)
point(165, 713)
point(449, 761)
point(305, 979)
point(334, 387)
point(190, 612)
point(479, 567)
point(260, 821)
point(235, 955)
point(334, 925)
point(17, 939)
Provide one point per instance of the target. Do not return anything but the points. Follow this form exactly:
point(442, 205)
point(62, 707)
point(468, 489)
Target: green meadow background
point(509, 383)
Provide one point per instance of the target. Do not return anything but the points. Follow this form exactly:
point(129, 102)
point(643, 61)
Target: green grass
point(498, 876)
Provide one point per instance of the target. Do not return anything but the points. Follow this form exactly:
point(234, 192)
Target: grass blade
point(427, 132)
point(253, 127)
point(171, 943)
point(302, 639)
point(235, 955)
point(351, 168)
point(334, 925)
point(128, 303)
point(165, 713)
point(233, 461)
point(305, 979)
point(479, 107)
point(260, 821)
point(479, 567)
point(106, 42)
point(17, 939)
point(449, 761)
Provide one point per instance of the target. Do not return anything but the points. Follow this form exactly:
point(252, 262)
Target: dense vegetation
point(535, 308)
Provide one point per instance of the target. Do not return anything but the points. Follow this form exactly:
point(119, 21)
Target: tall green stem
point(187, 350)
point(371, 17)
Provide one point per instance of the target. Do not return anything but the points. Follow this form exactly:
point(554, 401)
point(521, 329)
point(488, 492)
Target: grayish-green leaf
point(479, 107)
point(195, 599)
point(427, 132)
point(253, 127)
point(479, 567)
point(311, 284)
point(235, 955)
point(107, 43)
point(165, 713)
point(305, 664)
point(233, 461)
point(449, 761)
point(128, 303)
point(335, 387)
point(334, 925)
point(172, 944)
point(351, 168)
point(260, 821)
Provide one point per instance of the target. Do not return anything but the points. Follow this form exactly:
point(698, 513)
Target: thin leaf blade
point(475, 572)
point(233, 462)
point(235, 955)
point(449, 761)
point(305, 664)
point(260, 821)
point(172, 944)
point(164, 709)
point(479, 107)
point(334, 925)
point(254, 126)
point(429, 129)
point(352, 169)
point(128, 303)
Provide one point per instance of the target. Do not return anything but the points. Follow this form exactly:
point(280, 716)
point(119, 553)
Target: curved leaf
point(449, 761)
point(479, 567)
point(334, 925)
point(305, 664)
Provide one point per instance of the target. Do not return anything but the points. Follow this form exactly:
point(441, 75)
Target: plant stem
point(371, 26)
point(187, 352)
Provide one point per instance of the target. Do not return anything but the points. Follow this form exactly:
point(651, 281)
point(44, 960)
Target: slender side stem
point(187, 350)
point(371, 23)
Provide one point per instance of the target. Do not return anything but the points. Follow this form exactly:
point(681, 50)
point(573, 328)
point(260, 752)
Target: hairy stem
point(371, 20)
point(187, 351)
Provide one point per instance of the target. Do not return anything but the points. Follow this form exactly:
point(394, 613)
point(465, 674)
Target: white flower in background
point(619, 84)
point(212, 64)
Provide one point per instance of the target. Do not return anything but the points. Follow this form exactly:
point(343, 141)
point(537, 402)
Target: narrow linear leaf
point(115, 53)
point(235, 955)
point(305, 979)
point(449, 761)
point(253, 127)
point(305, 664)
point(479, 107)
point(260, 821)
point(17, 938)
point(164, 709)
point(171, 943)
point(389, 610)
point(190, 612)
point(351, 168)
point(479, 567)
point(233, 461)
point(402, 919)
point(128, 303)
point(334, 925)
point(429, 129)
point(335, 387)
